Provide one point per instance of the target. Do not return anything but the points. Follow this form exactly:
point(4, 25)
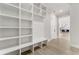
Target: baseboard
point(75, 46)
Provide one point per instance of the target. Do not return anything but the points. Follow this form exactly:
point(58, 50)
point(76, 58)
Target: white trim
point(76, 46)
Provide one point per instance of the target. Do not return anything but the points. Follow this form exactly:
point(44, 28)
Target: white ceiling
point(57, 7)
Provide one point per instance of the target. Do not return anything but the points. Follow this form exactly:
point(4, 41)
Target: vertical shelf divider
point(19, 28)
point(32, 32)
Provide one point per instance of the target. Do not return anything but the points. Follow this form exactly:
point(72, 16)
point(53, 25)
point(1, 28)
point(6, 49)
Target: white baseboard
point(76, 46)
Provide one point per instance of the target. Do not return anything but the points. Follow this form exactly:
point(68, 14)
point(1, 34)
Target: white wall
point(74, 35)
point(53, 20)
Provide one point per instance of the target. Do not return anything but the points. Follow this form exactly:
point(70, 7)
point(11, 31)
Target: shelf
point(43, 7)
point(12, 5)
point(6, 9)
point(37, 14)
point(9, 27)
point(26, 15)
point(8, 50)
point(43, 13)
point(37, 5)
point(26, 6)
point(26, 35)
point(9, 16)
point(9, 38)
point(16, 26)
point(15, 4)
point(27, 27)
point(36, 10)
point(5, 15)
point(26, 45)
point(26, 19)
point(19, 8)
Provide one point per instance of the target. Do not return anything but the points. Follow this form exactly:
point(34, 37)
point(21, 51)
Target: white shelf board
point(18, 8)
point(5, 15)
point(8, 27)
point(8, 38)
point(12, 5)
point(26, 45)
point(39, 15)
point(27, 27)
point(8, 50)
point(16, 27)
point(37, 7)
point(9, 16)
point(26, 35)
point(26, 19)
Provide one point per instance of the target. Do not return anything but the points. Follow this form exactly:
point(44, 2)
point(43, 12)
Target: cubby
point(9, 22)
point(36, 10)
point(8, 10)
point(26, 24)
point(9, 43)
point(37, 5)
point(27, 6)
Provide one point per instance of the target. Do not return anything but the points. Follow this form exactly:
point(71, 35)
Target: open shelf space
point(16, 6)
point(26, 15)
point(9, 16)
point(26, 39)
point(9, 43)
point(38, 18)
point(26, 6)
point(11, 49)
point(43, 13)
point(36, 10)
point(5, 9)
point(43, 7)
point(9, 32)
point(8, 22)
point(25, 31)
point(26, 24)
point(37, 5)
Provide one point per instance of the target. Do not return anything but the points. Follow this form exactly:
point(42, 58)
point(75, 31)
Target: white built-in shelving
point(17, 25)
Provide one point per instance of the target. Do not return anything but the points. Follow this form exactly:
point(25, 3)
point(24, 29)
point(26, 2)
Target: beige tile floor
point(58, 46)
